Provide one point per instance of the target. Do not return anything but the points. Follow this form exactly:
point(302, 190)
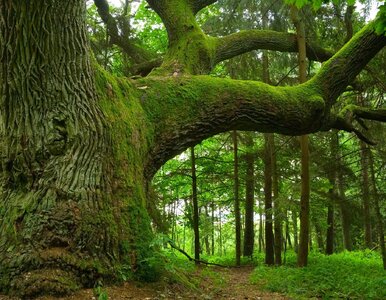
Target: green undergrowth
point(348, 275)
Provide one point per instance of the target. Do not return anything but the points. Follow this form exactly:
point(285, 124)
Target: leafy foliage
point(355, 275)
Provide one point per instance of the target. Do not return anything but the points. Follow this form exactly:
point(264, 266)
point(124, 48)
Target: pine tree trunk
point(196, 220)
point(366, 194)
point(269, 238)
point(277, 207)
point(377, 210)
point(237, 199)
point(305, 189)
point(343, 205)
point(249, 235)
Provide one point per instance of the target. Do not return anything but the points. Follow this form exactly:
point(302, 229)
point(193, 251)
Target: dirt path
point(237, 286)
point(214, 283)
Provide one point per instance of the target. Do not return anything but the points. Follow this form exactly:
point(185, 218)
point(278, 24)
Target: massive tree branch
point(248, 40)
point(188, 109)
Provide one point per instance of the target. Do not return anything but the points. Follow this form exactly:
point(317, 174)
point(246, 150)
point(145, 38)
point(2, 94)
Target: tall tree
point(236, 196)
point(79, 147)
point(249, 233)
point(196, 213)
point(269, 238)
point(305, 175)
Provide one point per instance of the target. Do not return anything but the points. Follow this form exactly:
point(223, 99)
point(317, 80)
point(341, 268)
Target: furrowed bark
point(65, 185)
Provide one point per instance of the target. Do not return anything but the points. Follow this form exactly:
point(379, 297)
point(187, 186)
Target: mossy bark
point(72, 199)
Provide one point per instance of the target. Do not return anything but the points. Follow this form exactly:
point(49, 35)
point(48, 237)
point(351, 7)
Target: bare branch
point(246, 41)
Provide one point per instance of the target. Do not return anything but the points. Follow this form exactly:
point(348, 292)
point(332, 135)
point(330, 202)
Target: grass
point(348, 275)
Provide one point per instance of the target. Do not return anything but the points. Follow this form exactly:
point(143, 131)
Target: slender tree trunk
point(195, 207)
point(277, 207)
point(332, 174)
point(269, 238)
point(366, 194)
point(237, 199)
point(330, 228)
point(261, 245)
point(287, 232)
point(295, 228)
point(305, 190)
point(212, 227)
point(220, 231)
point(343, 205)
point(207, 233)
point(249, 234)
point(377, 211)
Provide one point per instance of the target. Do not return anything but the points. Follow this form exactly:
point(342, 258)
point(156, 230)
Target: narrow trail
point(237, 286)
point(214, 283)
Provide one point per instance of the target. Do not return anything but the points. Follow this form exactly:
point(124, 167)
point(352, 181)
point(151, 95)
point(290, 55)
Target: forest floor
point(213, 283)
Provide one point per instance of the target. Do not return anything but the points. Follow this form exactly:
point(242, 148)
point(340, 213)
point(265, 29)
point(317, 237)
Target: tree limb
point(339, 71)
point(248, 40)
point(136, 53)
point(200, 4)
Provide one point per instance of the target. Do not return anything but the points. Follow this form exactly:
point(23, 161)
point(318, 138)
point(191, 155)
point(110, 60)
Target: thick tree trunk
point(249, 234)
point(72, 206)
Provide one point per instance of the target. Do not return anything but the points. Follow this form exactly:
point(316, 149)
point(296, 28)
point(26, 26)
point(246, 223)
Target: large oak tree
point(79, 147)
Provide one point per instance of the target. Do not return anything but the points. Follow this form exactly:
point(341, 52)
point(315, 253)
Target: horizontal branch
point(188, 109)
point(248, 40)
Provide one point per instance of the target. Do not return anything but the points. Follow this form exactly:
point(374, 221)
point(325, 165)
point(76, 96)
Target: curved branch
point(200, 4)
point(188, 109)
point(339, 71)
point(138, 54)
point(248, 40)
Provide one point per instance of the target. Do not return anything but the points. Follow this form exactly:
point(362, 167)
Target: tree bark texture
point(72, 202)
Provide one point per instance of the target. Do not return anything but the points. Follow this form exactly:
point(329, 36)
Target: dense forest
point(185, 141)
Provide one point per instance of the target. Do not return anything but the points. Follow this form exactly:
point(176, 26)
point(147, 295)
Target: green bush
point(348, 275)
